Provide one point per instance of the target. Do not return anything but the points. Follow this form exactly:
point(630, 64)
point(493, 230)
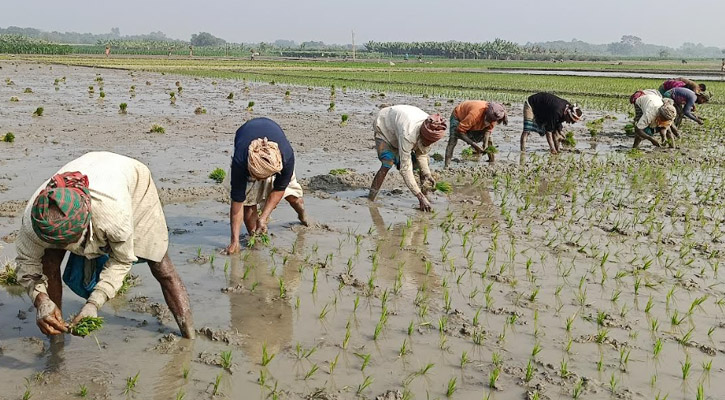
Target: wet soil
point(574, 267)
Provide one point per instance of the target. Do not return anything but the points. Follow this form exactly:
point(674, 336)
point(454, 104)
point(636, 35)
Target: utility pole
point(353, 45)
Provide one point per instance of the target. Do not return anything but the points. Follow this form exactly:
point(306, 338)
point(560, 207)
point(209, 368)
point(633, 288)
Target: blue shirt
point(685, 98)
point(253, 129)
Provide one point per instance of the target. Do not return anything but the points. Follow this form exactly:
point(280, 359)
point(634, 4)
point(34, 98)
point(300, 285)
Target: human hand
point(233, 247)
point(88, 310)
point(424, 203)
point(48, 317)
point(428, 181)
point(261, 225)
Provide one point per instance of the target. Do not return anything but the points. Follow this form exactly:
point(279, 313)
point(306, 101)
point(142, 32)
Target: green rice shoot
point(9, 276)
point(443, 187)
point(86, 326)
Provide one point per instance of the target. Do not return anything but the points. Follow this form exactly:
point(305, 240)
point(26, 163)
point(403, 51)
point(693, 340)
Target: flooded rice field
point(593, 274)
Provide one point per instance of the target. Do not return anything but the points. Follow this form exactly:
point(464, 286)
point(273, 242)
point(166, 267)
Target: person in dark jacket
point(263, 172)
point(545, 113)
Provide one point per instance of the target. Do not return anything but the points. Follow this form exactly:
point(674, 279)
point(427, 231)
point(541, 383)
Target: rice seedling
point(266, 357)
point(82, 391)
point(131, 382)
point(218, 175)
point(339, 171)
point(657, 348)
point(685, 367)
point(180, 394)
point(9, 276)
point(613, 382)
point(155, 128)
point(311, 372)
point(215, 384)
point(331, 107)
point(14, 99)
point(343, 119)
point(364, 385)
point(529, 372)
point(230, 96)
point(451, 388)
point(28, 90)
point(86, 326)
point(250, 106)
point(199, 110)
point(102, 95)
point(493, 377)
point(365, 360)
point(226, 359)
point(262, 238)
point(122, 108)
point(443, 187)
point(185, 372)
point(38, 112)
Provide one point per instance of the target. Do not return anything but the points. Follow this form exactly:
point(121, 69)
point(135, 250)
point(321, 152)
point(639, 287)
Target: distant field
point(445, 79)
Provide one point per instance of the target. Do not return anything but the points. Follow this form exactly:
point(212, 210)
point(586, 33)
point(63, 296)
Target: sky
point(331, 21)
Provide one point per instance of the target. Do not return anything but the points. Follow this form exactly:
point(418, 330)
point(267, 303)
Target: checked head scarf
point(69, 192)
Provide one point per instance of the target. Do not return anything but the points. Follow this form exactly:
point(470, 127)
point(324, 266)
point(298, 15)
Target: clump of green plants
point(102, 94)
point(200, 110)
point(595, 127)
point(122, 108)
point(9, 137)
point(172, 97)
point(339, 171)
point(344, 119)
point(91, 90)
point(38, 112)
point(437, 157)
point(467, 152)
point(86, 326)
point(9, 276)
point(569, 140)
point(156, 128)
point(28, 90)
point(443, 187)
point(14, 99)
point(250, 106)
point(437, 104)
point(230, 96)
point(180, 89)
point(331, 107)
point(629, 129)
point(491, 149)
point(218, 175)
point(258, 238)
point(287, 95)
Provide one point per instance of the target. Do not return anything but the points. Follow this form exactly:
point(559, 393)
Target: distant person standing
point(722, 67)
point(108, 51)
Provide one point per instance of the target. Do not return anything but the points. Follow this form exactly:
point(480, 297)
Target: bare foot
point(303, 218)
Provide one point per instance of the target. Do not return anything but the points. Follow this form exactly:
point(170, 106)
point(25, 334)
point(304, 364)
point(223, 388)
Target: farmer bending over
point(473, 121)
point(652, 114)
point(685, 100)
point(545, 114)
point(682, 82)
point(263, 172)
point(105, 210)
point(403, 136)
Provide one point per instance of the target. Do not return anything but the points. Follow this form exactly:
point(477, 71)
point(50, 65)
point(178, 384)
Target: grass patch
point(9, 137)
point(156, 128)
point(339, 171)
point(38, 112)
point(218, 175)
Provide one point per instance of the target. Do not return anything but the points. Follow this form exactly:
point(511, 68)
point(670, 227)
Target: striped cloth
point(69, 192)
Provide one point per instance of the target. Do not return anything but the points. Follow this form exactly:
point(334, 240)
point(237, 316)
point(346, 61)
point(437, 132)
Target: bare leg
point(644, 136)
point(175, 295)
point(452, 142)
point(299, 206)
point(550, 140)
point(637, 141)
point(377, 183)
point(51, 268)
point(250, 218)
point(524, 136)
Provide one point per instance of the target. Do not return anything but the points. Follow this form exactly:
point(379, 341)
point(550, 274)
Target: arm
point(463, 136)
point(121, 257)
point(30, 251)
point(689, 108)
point(272, 201)
point(235, 224)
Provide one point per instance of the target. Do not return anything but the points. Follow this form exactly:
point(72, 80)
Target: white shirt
point(127, 223)
point(650, 104)
point(400, 126)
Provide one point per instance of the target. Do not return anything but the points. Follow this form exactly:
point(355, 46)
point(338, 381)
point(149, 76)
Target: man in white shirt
point(100, 204)
point(403, 136)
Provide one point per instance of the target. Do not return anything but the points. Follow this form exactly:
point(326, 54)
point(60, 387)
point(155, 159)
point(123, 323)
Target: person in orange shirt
point(473, 121)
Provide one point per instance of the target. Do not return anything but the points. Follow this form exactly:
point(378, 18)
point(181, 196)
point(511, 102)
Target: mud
point(377, 300)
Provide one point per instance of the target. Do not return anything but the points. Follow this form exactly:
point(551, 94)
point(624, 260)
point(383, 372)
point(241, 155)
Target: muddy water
point(373, 292)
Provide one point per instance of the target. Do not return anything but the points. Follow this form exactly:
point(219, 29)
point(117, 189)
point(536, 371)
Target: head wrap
point(636, 95)
point(706, 96)
point(434, 128)
point(69, 192)
point(264, 159)
point(574, 112)
point(667, 112)
point(496, 112)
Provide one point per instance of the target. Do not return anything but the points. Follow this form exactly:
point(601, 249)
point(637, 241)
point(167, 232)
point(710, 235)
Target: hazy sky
point(598, 21)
